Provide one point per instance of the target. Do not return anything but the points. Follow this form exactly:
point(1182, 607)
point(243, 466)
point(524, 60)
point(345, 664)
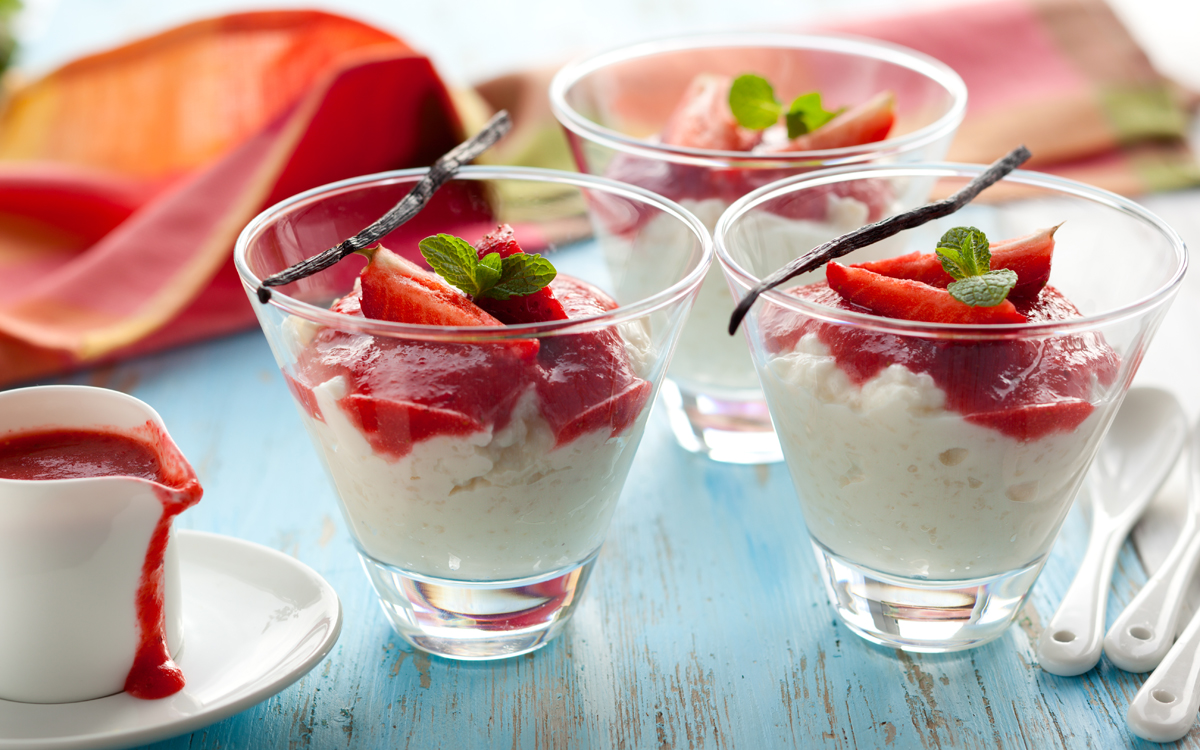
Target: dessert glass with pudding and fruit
point(936, 446)
point(478, 444)
point(659, 115)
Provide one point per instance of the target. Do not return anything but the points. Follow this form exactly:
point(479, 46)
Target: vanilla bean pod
point(880, 230)
point(441, 172)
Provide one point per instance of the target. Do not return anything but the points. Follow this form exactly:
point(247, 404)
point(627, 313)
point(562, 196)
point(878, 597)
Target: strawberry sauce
point(1026, 388)
point(403, 391)
point(146, 454)
point(76, 454)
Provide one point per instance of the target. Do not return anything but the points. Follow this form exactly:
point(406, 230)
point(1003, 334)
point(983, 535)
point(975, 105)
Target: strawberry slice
point(1035, 421)
point(1028, 256)
point(868, 122)
point(911, 300)
point(587, 381)
point(398, 290)
point(540, 307)
point(702, 119)
point(503, 242)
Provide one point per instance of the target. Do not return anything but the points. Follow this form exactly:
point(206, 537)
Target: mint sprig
point(753, 103)
point(459, 264)
point(806, 114)
point(966, 255)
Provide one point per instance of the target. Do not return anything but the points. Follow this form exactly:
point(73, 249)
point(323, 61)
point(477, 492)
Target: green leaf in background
point(8, 41)
point(806, 114)
point(753, 103)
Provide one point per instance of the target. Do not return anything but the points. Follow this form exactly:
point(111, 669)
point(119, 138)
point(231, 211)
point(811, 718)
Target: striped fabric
point(126, 176)
point(1065, 78)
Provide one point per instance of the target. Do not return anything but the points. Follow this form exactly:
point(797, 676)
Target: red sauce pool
point(75, 454)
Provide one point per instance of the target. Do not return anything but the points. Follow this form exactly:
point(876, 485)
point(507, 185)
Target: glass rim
point(467, 334)
point(569, 75)
point(1063, 186)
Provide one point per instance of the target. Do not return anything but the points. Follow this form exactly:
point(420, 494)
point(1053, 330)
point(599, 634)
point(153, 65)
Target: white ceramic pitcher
point(72, 551)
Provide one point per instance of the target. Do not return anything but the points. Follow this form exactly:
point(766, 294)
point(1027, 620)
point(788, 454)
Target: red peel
point(868, 122)
point(1029, 256)
point(912, 300)
point(398, 290)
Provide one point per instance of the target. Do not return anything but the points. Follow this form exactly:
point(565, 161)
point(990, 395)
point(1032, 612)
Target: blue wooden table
point(704, 626)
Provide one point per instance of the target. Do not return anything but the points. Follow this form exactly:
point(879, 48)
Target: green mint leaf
point(953, 263)
point(453, 259)
point(964, 252)
point(488, 272)
point(456, 261)
point(806, 114)
point(522, 274)
point(987, 290)
point(753, 103)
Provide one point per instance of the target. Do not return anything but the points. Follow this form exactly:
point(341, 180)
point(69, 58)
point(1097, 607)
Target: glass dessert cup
point(613, 105)
point(477, 483)
point(930, 515)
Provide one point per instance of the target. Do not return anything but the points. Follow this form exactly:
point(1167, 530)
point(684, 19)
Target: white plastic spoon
point(1165, 707)
point(1132, 463)
point(1144, 632)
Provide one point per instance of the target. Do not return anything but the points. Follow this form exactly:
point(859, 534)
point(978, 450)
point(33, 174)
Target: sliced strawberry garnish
point(588, 383)
point(503, 242)
point(703, 120)
point(540, 307)
point(393, 426)
point(911, 300)
point(1035, 421)
point(868, 122)
point(1028, 256)
point(398, 290)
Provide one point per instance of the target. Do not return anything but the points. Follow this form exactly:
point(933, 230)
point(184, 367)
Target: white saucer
point(255, 621)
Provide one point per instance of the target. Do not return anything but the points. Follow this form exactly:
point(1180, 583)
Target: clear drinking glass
point(613, 105)
point(477, 478)
point(934, 463)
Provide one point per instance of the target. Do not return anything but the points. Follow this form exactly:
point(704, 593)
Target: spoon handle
point(1164, 709)
point(1143, 633)
point(1072, 643)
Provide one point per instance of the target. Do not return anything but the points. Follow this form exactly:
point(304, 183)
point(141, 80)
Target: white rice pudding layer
point(494, 505)
point(891, 480)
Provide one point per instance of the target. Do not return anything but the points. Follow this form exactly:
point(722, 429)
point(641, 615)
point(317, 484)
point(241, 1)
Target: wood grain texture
point(704, 626)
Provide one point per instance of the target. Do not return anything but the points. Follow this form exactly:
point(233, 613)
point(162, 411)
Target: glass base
point(735, 431)
point(475, 621)
point(918, 615)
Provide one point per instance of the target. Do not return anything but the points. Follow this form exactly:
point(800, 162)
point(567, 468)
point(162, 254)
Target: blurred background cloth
point(1064, 77)
point(125, 176)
